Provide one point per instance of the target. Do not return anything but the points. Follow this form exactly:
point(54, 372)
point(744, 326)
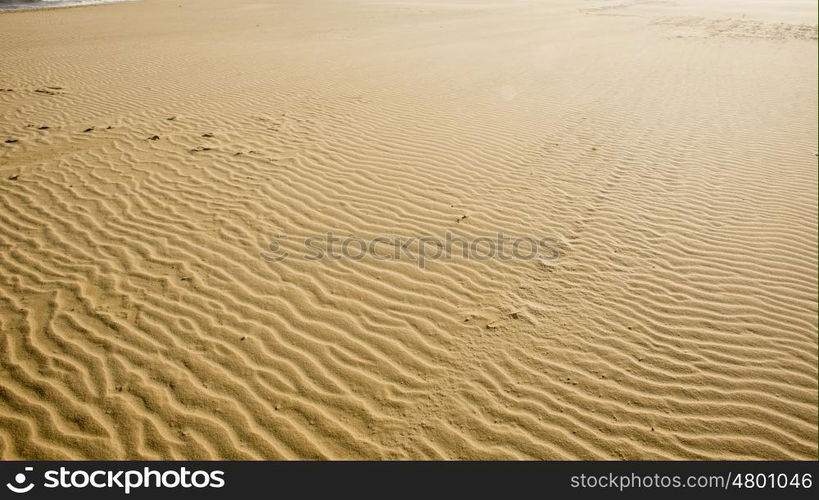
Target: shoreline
point(52, 7)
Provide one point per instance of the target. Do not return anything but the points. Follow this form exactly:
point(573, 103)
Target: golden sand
point(671, 147)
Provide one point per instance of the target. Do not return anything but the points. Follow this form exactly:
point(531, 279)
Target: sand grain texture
point(149, 151)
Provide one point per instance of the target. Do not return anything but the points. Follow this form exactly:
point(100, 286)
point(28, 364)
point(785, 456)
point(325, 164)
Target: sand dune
point(150, 152)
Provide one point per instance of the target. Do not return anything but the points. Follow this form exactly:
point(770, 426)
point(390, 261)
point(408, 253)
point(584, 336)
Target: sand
point(670, 148)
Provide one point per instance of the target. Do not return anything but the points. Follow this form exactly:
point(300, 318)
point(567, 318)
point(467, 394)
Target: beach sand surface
point(151, 151)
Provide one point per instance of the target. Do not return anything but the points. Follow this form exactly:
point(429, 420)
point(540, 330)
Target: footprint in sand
point(49, 91)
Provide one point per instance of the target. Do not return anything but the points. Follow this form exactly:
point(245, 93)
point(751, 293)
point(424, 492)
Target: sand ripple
point(142, 176)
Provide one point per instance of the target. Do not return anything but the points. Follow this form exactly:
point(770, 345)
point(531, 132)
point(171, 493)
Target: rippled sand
point(149, 151)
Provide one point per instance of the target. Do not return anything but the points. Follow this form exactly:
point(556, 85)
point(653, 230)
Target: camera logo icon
point(20, 479)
